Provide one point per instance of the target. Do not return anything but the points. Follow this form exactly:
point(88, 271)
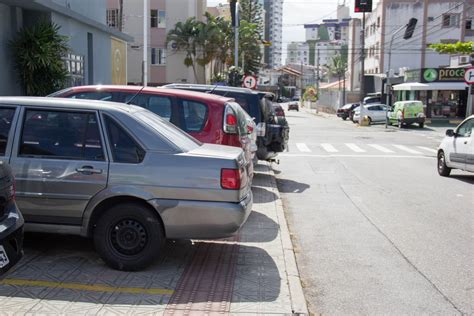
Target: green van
point(406, 113)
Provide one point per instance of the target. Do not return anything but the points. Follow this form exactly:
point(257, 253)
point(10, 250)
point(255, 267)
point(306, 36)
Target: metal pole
point(362, 68)
point(145, 43)
point(236, 31)
point(317, 69)
point(469, 102)
point(301, 80)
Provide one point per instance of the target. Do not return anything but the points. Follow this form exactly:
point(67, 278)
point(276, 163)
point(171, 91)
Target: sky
point(298, 12)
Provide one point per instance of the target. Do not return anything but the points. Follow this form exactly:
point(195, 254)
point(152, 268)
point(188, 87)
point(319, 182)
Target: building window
point(158, 56)
point(378, 22)
point(153, 18)
point(450, 20)
point(162, 19)
point(113, 18)
point(468, 24)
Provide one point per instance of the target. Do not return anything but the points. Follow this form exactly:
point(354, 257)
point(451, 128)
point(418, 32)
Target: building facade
point(273, 32)
point(92, 44)
point(165, 63)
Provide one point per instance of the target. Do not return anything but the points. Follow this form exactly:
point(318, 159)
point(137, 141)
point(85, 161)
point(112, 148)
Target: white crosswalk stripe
point(408, 150)
point(381, 148)
point(355, 148)
point(431, 150)
point(329, 148)
point(303, 147)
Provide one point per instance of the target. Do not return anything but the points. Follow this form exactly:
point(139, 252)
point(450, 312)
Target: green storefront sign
point(428, 75)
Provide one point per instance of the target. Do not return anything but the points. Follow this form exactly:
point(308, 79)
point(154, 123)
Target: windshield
point(174, 134)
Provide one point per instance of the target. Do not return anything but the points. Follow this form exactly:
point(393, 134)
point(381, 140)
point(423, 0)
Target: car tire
point(421, 125)
point(443, 169)
point(129, 237)
point(369, 121)
point(344, 118)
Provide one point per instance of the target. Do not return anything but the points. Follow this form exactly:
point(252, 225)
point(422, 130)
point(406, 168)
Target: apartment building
point(273, 32)
point(165, 64)
point(97, 53)
point(312, 53)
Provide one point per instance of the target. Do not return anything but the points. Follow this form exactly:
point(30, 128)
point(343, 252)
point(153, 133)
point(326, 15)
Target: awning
point(416, 86)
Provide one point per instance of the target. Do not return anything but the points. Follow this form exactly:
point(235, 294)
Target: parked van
point(406, 113)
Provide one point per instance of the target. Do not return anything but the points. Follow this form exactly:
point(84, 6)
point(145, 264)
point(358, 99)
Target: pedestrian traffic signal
point(233, 12)
point(410, 28)
point(363, 6)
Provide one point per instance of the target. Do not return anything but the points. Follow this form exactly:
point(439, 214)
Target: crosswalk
point(353, 149)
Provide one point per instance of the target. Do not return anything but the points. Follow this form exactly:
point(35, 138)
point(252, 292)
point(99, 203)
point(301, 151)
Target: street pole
point(236, 32)
point(317, 69)
point(301, 80)
point(362, 68)
point(145, 43)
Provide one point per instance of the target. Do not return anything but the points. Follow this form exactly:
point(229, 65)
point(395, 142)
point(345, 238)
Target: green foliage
point(453, 49)
point(251, 11)
point(310, 94)
point(249, 47)
point(38, 53)
point(235, 76)
point(338, 66)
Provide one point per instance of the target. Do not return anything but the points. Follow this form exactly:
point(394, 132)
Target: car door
point(59, 162)
point(462, 145)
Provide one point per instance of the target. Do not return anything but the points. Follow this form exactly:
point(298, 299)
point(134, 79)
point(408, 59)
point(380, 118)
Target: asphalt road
point(376, 229)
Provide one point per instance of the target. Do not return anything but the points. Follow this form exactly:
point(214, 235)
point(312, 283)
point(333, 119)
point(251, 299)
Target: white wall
point(93, 9)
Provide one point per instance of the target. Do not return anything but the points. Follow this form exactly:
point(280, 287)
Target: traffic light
point(233, 12)
point(410, 28)
point(363, 6)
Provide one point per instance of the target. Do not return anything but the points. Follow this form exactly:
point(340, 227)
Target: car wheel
point(344, 118)
point(369, 121)
point(443, 169)
point(421, 125)
point(129, 237)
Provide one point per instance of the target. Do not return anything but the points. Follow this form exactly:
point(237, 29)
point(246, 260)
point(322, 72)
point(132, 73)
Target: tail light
point(261, 129)
point(231, 179)
point(249, 129)
point(230, 121)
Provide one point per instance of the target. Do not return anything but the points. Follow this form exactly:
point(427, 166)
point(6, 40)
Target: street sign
point(250, 82)
point(469, 75)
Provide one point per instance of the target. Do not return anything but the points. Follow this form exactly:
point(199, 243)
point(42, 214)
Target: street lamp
point(409, 29)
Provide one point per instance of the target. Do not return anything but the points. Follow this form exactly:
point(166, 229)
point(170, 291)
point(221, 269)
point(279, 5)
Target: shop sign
point(442, 75)
point(412, 75)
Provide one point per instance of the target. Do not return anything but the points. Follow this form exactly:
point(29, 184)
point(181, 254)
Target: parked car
point(121, 175)
point(351, 113)
point(11, 221)
point(372, 98)
point(272, 137)
point(209, 118)
point(376, 113)
point(456, 151)
point(278, 110)
point(344, 111)
point(406, 113)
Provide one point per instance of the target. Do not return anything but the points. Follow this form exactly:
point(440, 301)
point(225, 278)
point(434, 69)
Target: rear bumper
point(203, 219)
point(11, 238)
point(413, 120)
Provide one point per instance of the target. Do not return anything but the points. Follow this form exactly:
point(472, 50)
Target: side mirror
point(450, 133)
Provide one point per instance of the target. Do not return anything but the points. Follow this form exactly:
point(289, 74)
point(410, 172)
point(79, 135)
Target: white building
point(273, 32)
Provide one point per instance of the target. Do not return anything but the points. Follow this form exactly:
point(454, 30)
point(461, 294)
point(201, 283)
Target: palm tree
point(338, 68)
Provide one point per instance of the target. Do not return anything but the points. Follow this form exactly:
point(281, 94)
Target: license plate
point(3, 257)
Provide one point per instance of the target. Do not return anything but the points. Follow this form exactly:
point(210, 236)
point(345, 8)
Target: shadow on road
point(262, 195)
point(290, 186)
point(463, 177)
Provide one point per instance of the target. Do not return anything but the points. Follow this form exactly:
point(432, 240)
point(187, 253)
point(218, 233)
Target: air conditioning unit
point(463, 60)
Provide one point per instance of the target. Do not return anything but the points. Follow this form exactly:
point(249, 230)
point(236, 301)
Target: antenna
point(135, 95)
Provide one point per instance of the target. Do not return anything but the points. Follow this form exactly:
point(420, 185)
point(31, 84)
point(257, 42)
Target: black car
point(272, 137)
point(345, 111)
point(11, 221)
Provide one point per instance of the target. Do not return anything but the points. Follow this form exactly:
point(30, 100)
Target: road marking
point(329, 148)
point(353, 156)
point(381, 148)
point(303, 148)
point(431, 150)
point(85, 287)
point(408, 150)
point(355, 148)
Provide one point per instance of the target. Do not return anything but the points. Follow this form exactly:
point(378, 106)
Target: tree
point(338, 66)
point(465, 48)
point(249, 47)
point(38, 53)
point(252, 11)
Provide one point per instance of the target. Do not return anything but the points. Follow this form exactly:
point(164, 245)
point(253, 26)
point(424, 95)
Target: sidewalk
point(252, 273)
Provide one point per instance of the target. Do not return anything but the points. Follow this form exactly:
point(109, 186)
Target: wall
point(77, 33)
point(133, 25)
point(8, 24)
point(354, 55)
point(93, 9)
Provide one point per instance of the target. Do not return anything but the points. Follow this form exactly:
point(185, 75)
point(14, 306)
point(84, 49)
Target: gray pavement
point(377, 231)
point(253, 273)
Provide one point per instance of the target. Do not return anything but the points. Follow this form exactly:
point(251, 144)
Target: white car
point(375, 112)
point(457, 149)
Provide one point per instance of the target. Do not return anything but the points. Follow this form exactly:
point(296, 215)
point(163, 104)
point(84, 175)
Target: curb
point(298, 301)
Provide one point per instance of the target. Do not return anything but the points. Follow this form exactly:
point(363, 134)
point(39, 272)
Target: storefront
point(442, 91)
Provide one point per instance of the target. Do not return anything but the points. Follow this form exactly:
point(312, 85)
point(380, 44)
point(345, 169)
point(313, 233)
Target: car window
point(6, 118)
point(169, 131)
point(195, 115)
point(123, 146)
point(95, 95)
point(61, 135)
point(161, 106)
point(465, 130)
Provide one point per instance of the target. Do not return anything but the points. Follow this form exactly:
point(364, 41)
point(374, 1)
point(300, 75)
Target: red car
point(207, 117)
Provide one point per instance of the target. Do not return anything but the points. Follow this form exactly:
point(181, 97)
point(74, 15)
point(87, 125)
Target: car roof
point(211, 87)
point(161, 90)
point(84, 104)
